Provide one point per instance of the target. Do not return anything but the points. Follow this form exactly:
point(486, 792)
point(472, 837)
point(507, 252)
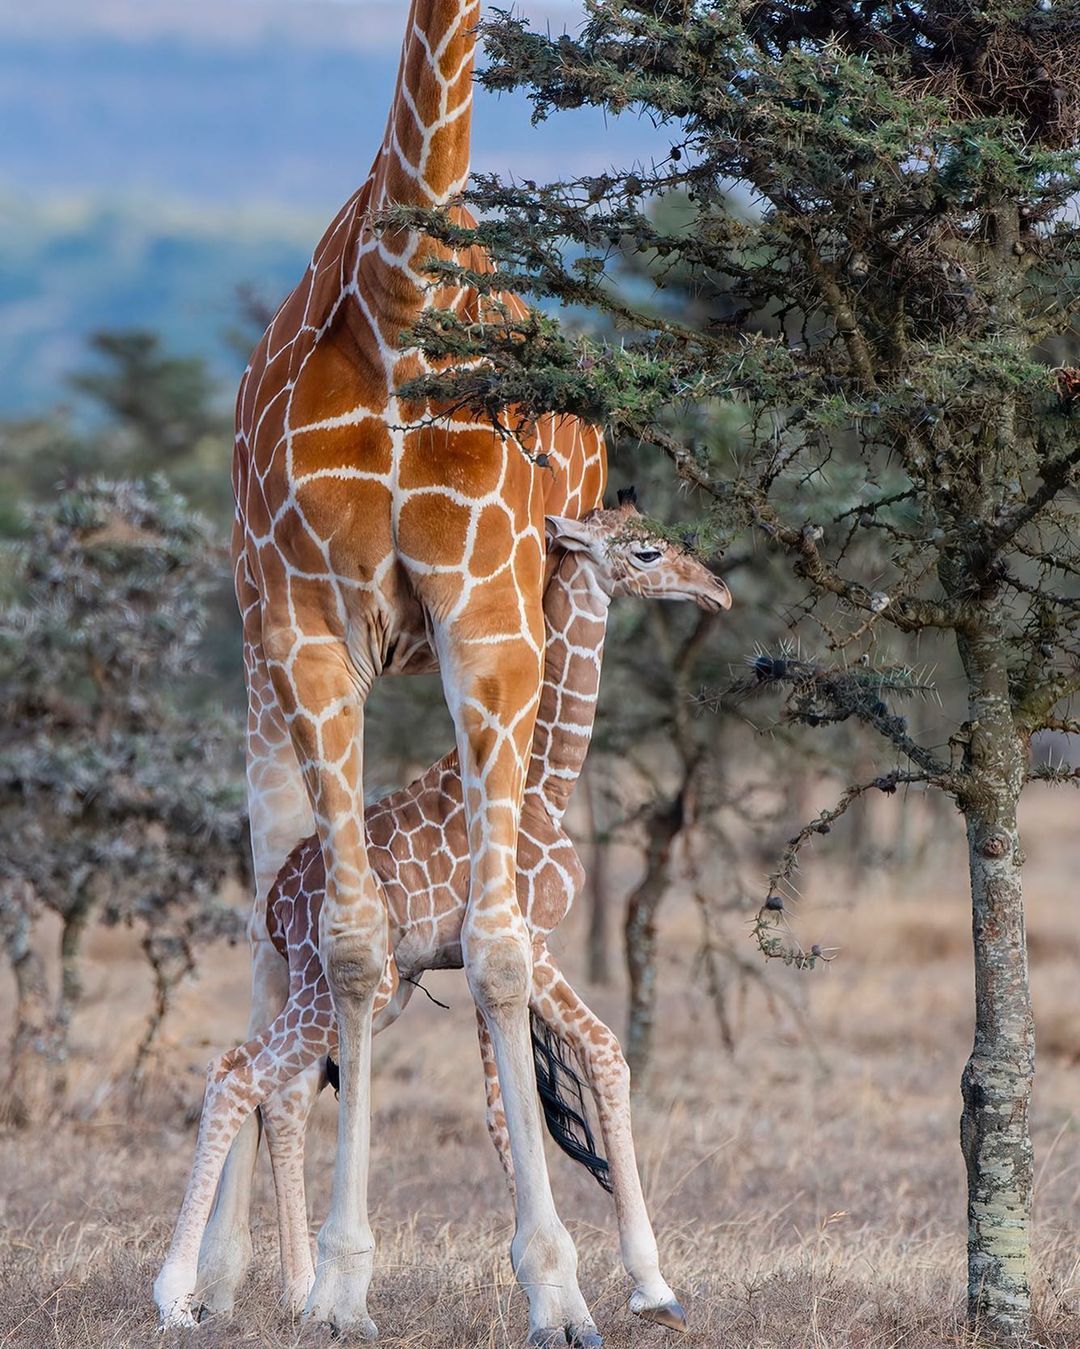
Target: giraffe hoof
point(670, 1314)
point(179, 1318)
point(339, 1322)
point(207, 1305)
point(359, 1330)
point(584, 1336)
point(547, 1337)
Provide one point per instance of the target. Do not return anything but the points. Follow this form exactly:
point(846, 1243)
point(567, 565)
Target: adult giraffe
point(374, 536)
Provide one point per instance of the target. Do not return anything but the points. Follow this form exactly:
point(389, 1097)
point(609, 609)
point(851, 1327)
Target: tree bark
point(664, 824)
point(32, 1089)
point(75, 920)
point(597, 890)
point(997, 1080)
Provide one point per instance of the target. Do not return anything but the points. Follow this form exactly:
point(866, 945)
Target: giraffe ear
point(572, 535)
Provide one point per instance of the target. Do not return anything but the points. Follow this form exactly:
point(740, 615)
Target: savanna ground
point(807, 1189)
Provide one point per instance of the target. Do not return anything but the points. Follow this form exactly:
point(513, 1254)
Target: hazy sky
point(372, 22)
point(230, 102)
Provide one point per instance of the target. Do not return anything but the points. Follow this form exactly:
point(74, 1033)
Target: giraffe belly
point(413, 956)
point(428, 935)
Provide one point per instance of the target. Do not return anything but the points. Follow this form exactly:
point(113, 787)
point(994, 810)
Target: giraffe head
point(627, 558)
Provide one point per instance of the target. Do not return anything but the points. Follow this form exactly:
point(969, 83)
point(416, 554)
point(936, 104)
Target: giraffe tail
point(562, 1099)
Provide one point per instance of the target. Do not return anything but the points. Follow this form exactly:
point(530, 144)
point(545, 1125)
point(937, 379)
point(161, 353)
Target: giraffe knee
point(500, 976)
point(353, 968)
point(281, 1123)
point(222, 1067)
point(606, 1065)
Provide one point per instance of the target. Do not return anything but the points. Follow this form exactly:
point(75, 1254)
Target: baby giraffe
point(418, 845)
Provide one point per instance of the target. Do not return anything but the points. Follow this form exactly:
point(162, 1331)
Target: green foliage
point(150, 411)
point(113, 795)
point(163, 414)
point(34, 457)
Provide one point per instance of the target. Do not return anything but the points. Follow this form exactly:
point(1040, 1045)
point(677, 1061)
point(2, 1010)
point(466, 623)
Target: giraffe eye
point(647, 554)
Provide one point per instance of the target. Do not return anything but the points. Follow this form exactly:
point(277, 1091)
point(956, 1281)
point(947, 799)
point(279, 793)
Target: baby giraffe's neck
point(575, 616)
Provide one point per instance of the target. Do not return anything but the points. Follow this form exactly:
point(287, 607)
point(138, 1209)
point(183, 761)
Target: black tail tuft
point(333, 1076)
point(561, 1096)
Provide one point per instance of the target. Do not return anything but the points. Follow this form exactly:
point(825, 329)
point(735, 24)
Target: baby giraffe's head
point(628, 559)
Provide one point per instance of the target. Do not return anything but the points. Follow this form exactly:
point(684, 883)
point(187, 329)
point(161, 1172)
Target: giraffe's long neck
point(424, 158)
point(575, 615)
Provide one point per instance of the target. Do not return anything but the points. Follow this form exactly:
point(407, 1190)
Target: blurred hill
point(160, 154)
point(68, 270)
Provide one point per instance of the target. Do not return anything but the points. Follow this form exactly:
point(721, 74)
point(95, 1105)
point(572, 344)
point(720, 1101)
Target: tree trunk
point(664, 824)
point(32, 1089)
point(75, 920)
point(597, 890)
point(997, 1080)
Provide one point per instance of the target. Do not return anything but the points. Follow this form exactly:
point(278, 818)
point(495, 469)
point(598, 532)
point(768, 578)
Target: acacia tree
point(116, 798)
point(908, 171)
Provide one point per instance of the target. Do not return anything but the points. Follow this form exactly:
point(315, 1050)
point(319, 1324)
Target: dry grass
point(807, 1191)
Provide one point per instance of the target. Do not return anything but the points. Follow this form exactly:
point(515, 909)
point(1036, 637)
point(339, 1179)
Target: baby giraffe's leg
point(496, 1115)
point(285, 1119)
point(236, 1083)
point(226, 1247)
point(601, 1057)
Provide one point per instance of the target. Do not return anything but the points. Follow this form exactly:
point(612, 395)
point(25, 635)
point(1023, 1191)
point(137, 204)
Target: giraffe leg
point(236, 1084)
point(322, 687)
point(285, 1118)
point(225, 1253)
point(601, 1057)
point(496, 1115)
point(280, 815)
point(491, 690)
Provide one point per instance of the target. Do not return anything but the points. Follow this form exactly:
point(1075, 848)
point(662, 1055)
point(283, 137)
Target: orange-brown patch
point(354, 517)
point(315, 604)
point(494, 541)
point(294, 536)
point(444, 164)
point(423, 90)
point(470, 462)
point(410, 133)
point(364, 445)
point(432, 529)
point(339, 376)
